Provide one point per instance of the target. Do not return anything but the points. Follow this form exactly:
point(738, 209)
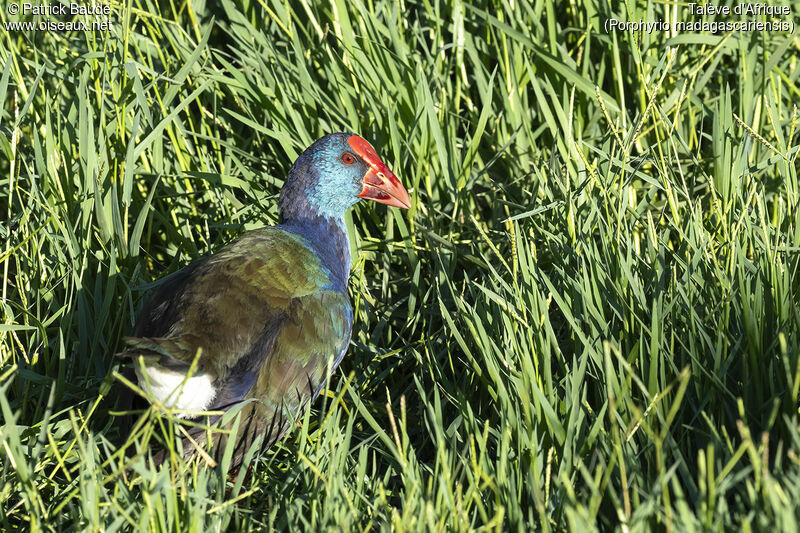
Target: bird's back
point(268, 320)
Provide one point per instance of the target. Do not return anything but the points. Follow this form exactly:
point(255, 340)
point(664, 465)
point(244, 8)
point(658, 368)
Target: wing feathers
point(268, 324)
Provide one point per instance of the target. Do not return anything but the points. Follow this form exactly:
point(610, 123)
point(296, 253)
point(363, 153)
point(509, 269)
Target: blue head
point(333, 174)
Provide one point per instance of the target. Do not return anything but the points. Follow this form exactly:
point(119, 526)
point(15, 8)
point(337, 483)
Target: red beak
point(380, 184)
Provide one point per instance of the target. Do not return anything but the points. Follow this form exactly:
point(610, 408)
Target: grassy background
point(589, 318)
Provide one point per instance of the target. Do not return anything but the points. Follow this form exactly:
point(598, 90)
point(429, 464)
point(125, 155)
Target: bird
point(263, 322)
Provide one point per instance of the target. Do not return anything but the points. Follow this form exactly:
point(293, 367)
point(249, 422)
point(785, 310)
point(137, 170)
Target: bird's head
point(336, 172)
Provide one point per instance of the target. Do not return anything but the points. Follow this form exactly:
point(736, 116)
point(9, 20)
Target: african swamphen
point(269, 313)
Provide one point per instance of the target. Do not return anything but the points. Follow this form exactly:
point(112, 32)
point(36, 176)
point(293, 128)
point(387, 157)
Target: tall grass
point(588, 320)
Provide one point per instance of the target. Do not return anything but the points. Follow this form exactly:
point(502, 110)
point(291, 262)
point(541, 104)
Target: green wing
point(269, 326)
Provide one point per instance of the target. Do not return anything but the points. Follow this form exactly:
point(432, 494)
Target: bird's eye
point(348, 159)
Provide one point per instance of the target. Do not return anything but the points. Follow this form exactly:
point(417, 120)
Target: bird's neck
point(329, 241)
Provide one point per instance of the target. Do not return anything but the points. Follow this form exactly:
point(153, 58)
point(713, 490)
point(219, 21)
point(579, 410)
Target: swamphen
point(268, 314)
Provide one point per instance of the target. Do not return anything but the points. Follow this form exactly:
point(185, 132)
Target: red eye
point(348, 159)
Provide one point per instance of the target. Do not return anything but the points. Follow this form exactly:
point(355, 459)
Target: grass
point(588, 320)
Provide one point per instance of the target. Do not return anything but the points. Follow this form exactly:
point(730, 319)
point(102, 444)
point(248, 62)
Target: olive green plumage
point(269, 326)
